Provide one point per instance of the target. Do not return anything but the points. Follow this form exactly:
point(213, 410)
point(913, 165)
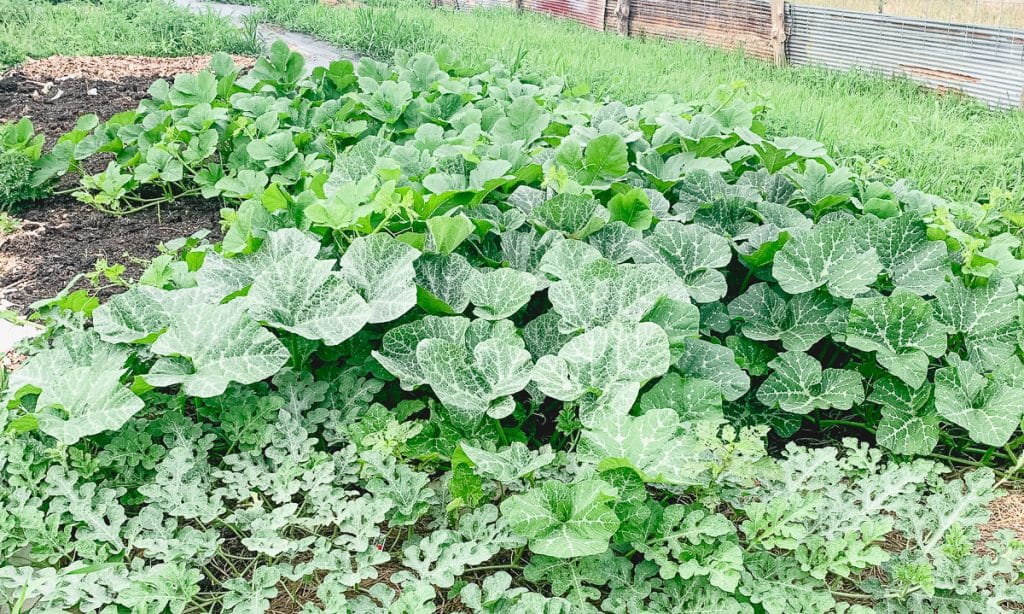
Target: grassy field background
point(947, 145)
point(40, 28)
point(882, 127)
point(1001, 13)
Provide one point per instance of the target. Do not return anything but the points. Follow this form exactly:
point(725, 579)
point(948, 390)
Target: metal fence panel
point(745, 24)
point(587, 12)
point(485, 4)
point(984, 62)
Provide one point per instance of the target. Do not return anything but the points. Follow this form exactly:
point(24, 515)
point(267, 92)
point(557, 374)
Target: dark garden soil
point(61, 237)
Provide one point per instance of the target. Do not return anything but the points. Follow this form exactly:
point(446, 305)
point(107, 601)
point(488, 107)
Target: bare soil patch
point(61, 237)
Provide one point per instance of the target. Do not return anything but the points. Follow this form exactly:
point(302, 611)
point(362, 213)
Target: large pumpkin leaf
point(714, 363)
point(909, 424)
point(902, 332)
point(209, 346)
point(799, 385)
point(766, 315)
point(602, 292)
point(499, 293)
point(510, 464)
point(564, 520)
point(477, 377)
point(987, 318)
point(220, 276)
point(79, 385)
point(441, 282)
point(653, 444)
point(691, 398)
point(306, 297)
point(398, 347)
point(602, 359)
point(380, 268)
point(693, 252)
point(989, 408)
point(574, 215)
point(139, 313)
point(908, 257)
point(826, 255)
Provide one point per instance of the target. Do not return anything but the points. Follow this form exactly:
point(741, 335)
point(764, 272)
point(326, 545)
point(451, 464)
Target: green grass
point(39, 28)
point(946, 145)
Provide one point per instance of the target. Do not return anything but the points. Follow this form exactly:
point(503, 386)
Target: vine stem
point(492, 568)
point(953, 459)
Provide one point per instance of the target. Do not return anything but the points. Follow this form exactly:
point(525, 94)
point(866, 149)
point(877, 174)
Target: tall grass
point(39, 28)
point(1000, 13)
point(945, 144)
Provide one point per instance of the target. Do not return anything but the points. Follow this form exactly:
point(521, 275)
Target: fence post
point(517, 5)
point(622, 15)
point(778, 11)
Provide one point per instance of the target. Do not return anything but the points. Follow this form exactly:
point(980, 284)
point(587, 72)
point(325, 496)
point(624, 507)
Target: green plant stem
point(492, 568)
point(850, 423)
point(956, 460)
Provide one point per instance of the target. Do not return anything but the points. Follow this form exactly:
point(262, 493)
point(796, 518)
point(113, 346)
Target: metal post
point(622, 15)
point(778, 42)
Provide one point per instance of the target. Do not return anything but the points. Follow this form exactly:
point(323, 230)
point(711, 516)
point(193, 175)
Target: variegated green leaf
point(79, 386)
point(305, 296)
point(602, 358)
point(208, 346)
point(380, 268)
point(990, 408)
point(799, 385)
point(715, 363)
point(766, 315)
point(477, 379)
point(441, 282)
point(499, 293)
point(564, 520)
point(902, 332)
point(826, 255)
point(909, 424)
point(398, 347)
point(694, 253)
point(510, 464)
point(908, 257)
point(987, 317)
point(653, 444)
point(603, 292)
point(691, 398)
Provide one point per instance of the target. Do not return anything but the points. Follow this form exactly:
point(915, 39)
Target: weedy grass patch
point(889, 128)
point(40, 28)
point(473, 342)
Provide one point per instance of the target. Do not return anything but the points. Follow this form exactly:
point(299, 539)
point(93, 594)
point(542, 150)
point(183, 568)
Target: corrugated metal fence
point(984, 62)
point(981, 61)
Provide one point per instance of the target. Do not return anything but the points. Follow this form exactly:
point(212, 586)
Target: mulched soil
point(61, 237)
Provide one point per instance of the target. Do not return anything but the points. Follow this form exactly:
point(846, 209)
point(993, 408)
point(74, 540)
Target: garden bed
point(473, 343)
point(61, 237)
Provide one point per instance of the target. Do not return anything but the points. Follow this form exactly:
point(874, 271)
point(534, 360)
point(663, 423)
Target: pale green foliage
point(799, 385)
point(465, 322)
point(990, 408)
point(902, 332)
point(564, 520)
point(827, 255)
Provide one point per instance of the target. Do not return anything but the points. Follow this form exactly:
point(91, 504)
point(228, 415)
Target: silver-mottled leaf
point(380, 268)
point(826, 255)
point(694, 253)
point(208, 346)
point(799, 385)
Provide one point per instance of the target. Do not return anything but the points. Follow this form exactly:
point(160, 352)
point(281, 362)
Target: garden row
point(471, 342)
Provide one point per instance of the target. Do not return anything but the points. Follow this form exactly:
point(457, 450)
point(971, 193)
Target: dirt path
point(316, 51)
